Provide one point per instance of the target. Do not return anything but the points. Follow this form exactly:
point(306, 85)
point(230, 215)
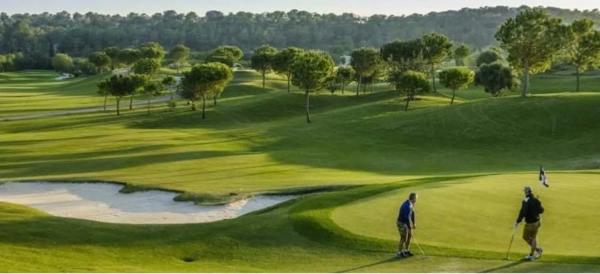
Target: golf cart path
point(100, 108)
point(104, 203)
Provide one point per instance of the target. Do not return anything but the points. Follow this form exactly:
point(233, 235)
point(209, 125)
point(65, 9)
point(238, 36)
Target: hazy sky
point(362, 7)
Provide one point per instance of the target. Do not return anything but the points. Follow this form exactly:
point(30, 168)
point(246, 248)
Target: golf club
point(414, 239)
point(512, 238)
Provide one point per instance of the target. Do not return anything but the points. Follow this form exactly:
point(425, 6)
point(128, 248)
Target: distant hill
point(80, 34)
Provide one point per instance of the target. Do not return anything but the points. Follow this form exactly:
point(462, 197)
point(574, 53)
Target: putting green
point(477, 213)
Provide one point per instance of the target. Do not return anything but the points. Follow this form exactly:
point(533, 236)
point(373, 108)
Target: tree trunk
point(215, 100)
point(203, 107)
point(131, 102)
point(288, 82)
point(263, 78)
point(118, 106)
point(307, 105)
point(578, 75)
point(358, 84)
point(453, 95)
point(343, 86)
point(105, 98)
point(407, 101)
point(525, 91)
point(193, 105)
point(433, 78)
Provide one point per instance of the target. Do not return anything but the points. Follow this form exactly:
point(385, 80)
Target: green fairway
point(476, 154)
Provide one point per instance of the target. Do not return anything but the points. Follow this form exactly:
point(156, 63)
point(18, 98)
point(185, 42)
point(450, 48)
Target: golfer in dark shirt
point(531, 208)
point(405, 224)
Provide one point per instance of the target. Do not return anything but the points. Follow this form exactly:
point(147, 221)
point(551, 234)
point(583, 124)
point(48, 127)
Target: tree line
point(31, 40)
point(531, 41)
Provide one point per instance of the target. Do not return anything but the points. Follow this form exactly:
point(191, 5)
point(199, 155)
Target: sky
point(361, 7)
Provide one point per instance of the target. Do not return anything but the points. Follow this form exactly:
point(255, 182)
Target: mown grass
point(477, 213)
point(254, 141)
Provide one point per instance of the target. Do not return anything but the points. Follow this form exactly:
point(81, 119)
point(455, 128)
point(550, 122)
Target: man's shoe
point(400, 254)
point(538, 252)
point(529, 258)
point(408, 254)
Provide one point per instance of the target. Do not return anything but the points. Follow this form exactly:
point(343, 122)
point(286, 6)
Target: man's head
point(412, 197)
point(527, 191)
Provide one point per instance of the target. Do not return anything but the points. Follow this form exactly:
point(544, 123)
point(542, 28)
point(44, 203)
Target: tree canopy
point(532, 39)
point(495, 78)
point(262, 60)
point(584, 48)
point(205, 80)
point(310, 71)
point(283, 60)
point(456, 78)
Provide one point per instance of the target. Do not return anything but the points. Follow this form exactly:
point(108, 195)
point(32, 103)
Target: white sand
point(64, 76)
point(103, 202)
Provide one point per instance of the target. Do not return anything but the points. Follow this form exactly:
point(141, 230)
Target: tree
point(365, 61)
point(262, 61)
point(170, 83)
point(205, 80)
point(488, 57)
point(119, 86)
point(332, 83)
point(412, 83)
point(460, 53)
point(228, 55)
point(309, 72)
point(345, 75)
point(129, 56)
point(283, 60)
point(100, 59)
point(456, 78)
point(404, 55)
point(62, 63)
point(532, 39)
point(436, 48)
point(584, 50)
point(146, 66)
point(151, 50)
point(179, 55)
point(114, 54)
point(103, 91)
point(150, 90)
point(495, 78)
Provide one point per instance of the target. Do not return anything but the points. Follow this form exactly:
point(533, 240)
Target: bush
point(62, 63)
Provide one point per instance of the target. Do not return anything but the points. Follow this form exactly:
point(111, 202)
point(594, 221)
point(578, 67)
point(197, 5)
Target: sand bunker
point(103, 202)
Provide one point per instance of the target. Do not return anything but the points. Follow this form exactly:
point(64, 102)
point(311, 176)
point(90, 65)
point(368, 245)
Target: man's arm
point(522, 213)
point(412, 218)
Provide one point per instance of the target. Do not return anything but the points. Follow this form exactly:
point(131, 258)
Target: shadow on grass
point(389, 260)
point(503, 267)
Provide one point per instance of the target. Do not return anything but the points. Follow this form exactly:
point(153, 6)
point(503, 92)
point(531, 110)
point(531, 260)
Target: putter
point(512, 239)
point(418, 245)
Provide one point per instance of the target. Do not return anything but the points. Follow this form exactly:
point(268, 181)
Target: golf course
point(353, 166)
point(346, 137)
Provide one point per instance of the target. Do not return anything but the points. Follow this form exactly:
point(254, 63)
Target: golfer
point(531, 208)
point(405, 224)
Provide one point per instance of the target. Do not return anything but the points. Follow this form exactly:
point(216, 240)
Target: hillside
point(337, 34)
